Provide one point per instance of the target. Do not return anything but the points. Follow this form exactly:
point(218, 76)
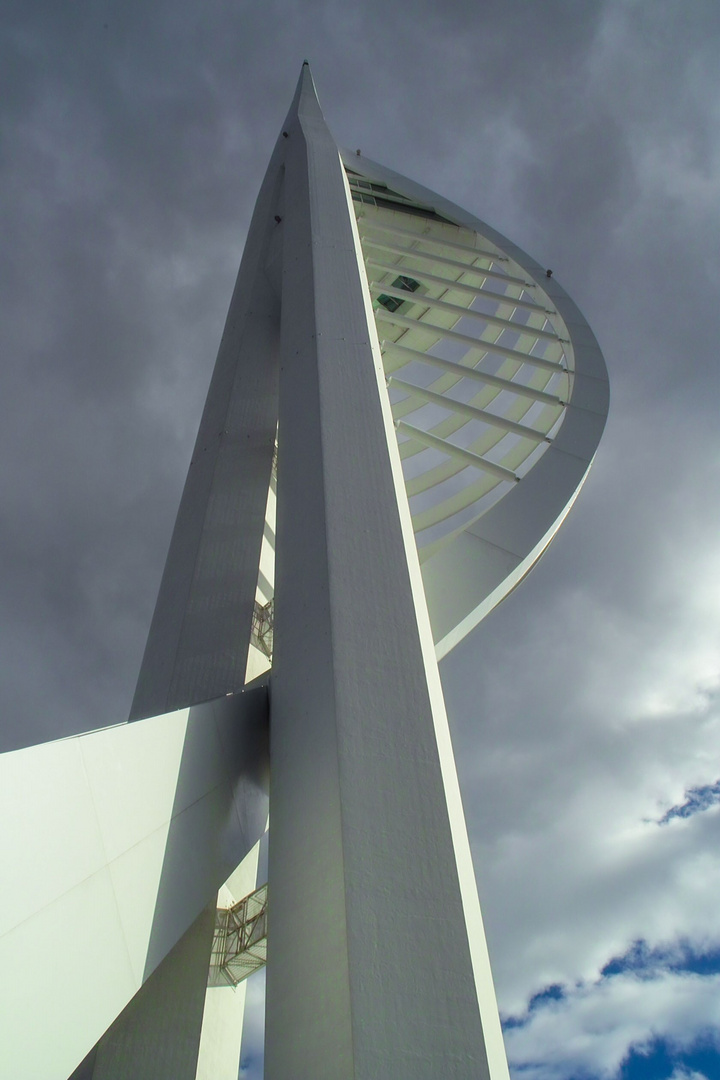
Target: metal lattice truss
point(240, 941)
point(262, 627)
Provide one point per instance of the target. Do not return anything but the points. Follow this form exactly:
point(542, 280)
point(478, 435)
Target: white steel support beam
point(477, 343)
point(468, 268)
point(467, 457)
point(470, 411)
point(456, 309)
point(463, 371)
point(377, 965)
point(462, 286)
point(436, 241)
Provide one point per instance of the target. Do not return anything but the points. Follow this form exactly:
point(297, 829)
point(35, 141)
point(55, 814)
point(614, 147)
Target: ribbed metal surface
point(446, 298)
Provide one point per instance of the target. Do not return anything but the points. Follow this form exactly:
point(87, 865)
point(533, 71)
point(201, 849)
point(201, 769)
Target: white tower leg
point(375, 943)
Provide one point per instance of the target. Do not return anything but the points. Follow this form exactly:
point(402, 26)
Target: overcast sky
point(585, 710)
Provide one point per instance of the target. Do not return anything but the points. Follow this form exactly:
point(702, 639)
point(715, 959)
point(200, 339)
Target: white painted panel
point(590, 393)
point(580, 433)
point(204, 762)
point(460, 576)
point(178, 800)
point(66, 975)
point(133, 777)
point(135, 876)
point(45, 798)
point(193, 866)
point(524, 516)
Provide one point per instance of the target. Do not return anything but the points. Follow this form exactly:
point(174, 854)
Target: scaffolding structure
point(263, 619)
point(240, 941)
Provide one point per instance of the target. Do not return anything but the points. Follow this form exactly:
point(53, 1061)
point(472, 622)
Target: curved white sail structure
point(498, 387)
point(403, 408)
point(490, 367)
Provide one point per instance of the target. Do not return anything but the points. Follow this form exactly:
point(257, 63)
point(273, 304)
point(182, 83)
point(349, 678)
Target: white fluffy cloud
point(681, 1073)
point(590, 1031)
point(594, 709)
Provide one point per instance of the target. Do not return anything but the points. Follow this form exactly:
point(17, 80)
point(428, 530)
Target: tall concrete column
point(377, 965)
point(197, 648)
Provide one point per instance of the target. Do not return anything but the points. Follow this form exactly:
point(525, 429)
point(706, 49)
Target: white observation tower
point(403, 409)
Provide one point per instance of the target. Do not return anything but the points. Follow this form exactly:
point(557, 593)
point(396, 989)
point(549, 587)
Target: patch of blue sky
point(641, 960)
point(696, 800)
point(251, 1067)
point(252, 1056)
point(660, 1060)
point(656, 1059)
point(554, 992)
point(680, 957)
